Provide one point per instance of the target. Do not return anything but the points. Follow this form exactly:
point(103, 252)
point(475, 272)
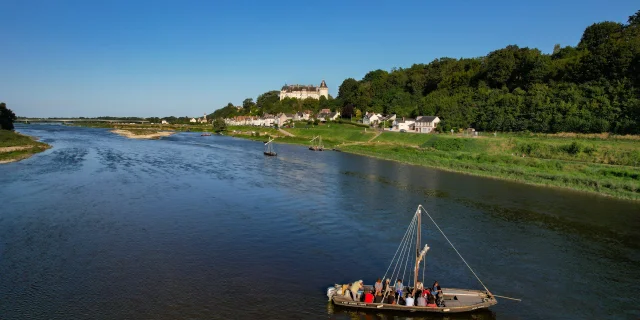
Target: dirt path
point(286, 133)
point(377, 135)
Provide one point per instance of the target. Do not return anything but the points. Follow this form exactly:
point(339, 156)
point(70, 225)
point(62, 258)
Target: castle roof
point(297, 87)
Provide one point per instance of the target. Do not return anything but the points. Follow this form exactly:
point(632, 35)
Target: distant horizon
point(169, 58)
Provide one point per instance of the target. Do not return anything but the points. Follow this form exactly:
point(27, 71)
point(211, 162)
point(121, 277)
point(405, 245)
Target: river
point(191, 227)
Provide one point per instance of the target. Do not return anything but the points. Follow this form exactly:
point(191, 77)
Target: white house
point(193, 120)
point(300, 116)
point(389, 118)
point(164, 122)
point(371, 118)
point(268, 120)
point(281, 119)
point(426, 124)
point(404, 124)
point(327, 114)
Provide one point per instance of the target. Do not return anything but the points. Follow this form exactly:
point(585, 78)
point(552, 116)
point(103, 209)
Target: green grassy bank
point(15, 146)
point(603, 164)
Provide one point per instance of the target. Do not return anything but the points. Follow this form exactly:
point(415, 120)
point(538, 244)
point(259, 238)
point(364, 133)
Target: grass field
point(15, 146)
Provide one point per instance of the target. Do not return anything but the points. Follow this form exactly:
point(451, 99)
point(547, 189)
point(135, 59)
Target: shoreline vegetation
point(603, 164)
point(15, 146)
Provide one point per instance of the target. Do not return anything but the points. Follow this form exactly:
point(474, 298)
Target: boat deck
point(455, 300)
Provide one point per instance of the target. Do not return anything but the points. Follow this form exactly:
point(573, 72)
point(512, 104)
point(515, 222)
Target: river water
point(191, 227)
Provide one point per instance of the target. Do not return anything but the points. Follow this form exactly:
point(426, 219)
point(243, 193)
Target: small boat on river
point(412, 254)
point(205, 135)
point(316, 144)
point(268, 149)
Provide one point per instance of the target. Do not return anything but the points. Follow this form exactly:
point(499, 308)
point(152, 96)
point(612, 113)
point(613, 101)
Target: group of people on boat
point(396, 294)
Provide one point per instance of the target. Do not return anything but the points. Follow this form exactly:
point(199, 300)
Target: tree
point(634, 20)
point(348, 111)
point(7, 117)
point(348, 91)
point(247, 104)
point(219, 125)
point(267, 99)
point(598, 34)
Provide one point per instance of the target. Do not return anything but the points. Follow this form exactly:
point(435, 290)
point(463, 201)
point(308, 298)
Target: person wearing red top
point(368, 297)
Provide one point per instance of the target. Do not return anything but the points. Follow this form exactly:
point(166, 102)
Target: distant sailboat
point(316, 144)
point(268, 149)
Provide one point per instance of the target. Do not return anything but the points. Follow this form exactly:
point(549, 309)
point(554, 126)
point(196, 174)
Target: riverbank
point(142, 133)
point(15, 146)
point(602, 164)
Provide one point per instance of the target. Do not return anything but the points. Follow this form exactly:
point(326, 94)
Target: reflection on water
point(102, 227)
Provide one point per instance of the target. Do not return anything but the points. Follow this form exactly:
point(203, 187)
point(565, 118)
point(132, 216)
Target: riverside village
point(419, 124)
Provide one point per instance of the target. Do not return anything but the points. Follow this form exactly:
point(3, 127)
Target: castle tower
point(324, 90)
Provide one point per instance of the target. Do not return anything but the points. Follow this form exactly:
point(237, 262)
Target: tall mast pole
point(418, 254)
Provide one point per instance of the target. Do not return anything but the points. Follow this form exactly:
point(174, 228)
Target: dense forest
point(592, 87)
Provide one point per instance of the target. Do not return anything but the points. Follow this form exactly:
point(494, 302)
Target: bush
point(573, 148)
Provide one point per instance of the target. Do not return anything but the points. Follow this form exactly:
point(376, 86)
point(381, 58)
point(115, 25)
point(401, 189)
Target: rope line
point(454, 248)
point(401, 248)
point(404, 245)
point(401, 241)
point(409, 251)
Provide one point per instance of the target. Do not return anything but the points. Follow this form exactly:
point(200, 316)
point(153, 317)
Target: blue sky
point(185, 58)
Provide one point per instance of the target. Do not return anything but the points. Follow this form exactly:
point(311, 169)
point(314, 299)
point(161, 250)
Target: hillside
point(593, 87)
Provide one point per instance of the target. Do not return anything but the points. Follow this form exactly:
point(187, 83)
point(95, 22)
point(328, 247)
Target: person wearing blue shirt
point(399, 288)
point(436, 291)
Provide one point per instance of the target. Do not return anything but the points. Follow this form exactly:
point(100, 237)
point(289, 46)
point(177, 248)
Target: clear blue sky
point(185, 58)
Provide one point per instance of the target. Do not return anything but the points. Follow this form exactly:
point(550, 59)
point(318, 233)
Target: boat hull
point(271, 154)
point(455, 301)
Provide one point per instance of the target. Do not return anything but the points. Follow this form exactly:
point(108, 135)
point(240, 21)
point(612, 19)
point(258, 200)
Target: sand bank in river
point(142, 135)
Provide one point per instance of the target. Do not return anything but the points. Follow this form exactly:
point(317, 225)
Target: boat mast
point(418, 253)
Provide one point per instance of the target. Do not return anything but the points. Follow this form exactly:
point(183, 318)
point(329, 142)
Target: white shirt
point(409, 301)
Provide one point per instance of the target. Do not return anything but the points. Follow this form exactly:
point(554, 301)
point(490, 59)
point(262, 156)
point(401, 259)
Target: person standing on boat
point(378, 286)
point(419, 286)
point(355, 287)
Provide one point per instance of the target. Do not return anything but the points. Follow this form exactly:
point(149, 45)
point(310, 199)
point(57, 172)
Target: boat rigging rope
point(401, 248)
point(408, 255)
point(454, 248)
point(400, 245)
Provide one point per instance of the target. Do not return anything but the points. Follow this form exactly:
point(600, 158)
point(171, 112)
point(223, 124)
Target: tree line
point(590, 88)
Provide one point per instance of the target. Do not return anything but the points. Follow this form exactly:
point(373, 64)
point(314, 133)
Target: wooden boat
point(268, 149)
point(454, 300)
point(205, 135)
point(316, 144)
